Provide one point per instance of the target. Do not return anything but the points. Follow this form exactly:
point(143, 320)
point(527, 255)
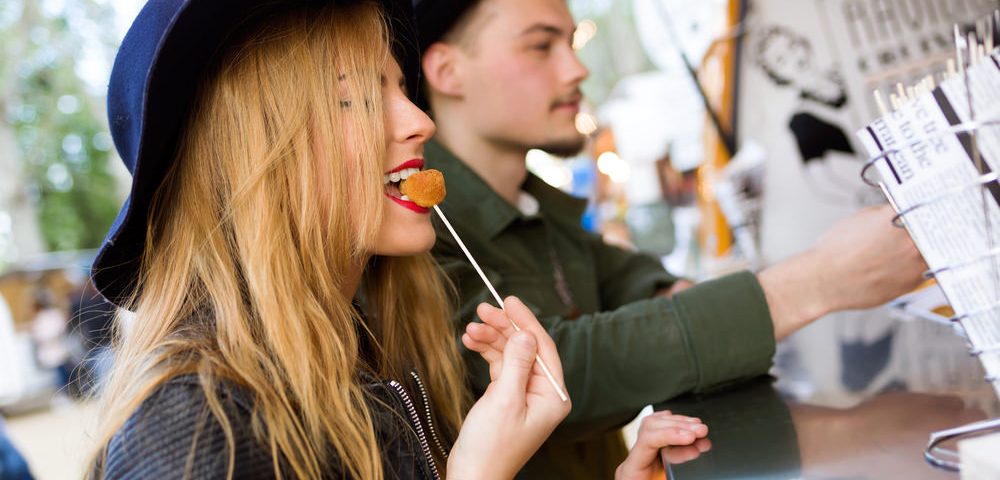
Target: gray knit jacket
point(174, 435)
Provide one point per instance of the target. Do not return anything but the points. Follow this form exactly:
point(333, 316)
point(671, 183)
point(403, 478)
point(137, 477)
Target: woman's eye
point(542, 47)
point(350, 104)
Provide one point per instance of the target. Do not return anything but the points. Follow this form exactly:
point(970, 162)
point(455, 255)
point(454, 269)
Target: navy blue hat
point(153, 83)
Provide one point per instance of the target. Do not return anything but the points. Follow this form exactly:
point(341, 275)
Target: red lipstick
point(408, 204)
point(413, 163)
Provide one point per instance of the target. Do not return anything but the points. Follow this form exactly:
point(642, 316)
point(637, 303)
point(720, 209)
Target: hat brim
point(153, 83)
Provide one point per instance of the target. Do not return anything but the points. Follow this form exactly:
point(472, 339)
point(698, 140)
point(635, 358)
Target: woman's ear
point(442, 69)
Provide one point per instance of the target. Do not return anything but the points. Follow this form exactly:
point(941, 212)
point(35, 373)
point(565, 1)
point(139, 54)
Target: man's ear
point(442, 69)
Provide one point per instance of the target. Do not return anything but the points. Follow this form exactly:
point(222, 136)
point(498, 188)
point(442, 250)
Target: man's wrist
point(794, 290)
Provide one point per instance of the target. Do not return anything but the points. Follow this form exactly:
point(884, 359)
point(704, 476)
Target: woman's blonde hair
point(250, 239)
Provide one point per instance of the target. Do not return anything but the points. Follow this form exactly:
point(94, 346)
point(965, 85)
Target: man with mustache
point(501, 78)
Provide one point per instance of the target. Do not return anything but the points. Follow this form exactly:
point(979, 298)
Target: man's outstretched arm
point(861, 262)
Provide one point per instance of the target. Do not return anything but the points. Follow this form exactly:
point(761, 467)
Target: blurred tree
point(58, 119)
point(19, 231)
point(614, 51)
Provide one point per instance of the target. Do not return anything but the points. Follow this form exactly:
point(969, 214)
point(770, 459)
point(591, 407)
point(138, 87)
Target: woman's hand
point(685, 436)
point(520, 407)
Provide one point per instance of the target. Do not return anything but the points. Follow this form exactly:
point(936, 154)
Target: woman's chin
point(419, 242)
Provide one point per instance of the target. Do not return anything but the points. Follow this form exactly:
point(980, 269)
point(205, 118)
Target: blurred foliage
point(615, 52)
point(58, 118)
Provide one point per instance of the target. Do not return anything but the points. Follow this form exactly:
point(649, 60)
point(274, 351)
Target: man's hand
point(862, 262)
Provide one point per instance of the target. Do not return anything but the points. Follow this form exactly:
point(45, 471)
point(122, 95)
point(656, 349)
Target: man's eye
point(542, 46)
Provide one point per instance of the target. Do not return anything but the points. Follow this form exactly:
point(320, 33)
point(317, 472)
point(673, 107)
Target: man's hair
point(463, 31)
point(449, 21)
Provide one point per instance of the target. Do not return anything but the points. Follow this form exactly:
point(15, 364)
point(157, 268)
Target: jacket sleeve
point(645, 351)
point(623, 276)
point(173, 434)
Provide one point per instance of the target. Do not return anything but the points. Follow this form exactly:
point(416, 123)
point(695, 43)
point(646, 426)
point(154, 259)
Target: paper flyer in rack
point(934, 158)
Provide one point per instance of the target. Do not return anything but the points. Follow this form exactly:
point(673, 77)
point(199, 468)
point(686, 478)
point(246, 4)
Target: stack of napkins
point(979, 457)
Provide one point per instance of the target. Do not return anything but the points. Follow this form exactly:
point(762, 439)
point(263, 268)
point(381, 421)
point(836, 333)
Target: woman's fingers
point(476, 346)
point(492, 355)
point(514, 312)
point(495, 318)
point(486, 334)
point(521, 314)
point(502, 322)
point(483, 332)
point(518, 361)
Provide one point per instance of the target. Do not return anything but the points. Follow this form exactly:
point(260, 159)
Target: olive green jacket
point(621, 346)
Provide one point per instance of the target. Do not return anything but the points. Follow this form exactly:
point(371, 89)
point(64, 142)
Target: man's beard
point(567, 147)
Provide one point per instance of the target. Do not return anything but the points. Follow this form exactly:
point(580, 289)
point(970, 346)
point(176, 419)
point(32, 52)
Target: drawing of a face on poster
point(805, 86)
point(788, 59)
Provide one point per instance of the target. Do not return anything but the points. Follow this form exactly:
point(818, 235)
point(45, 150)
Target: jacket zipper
point(427, 413)
point(408, 403)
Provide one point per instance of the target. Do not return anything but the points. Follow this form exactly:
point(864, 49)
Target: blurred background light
point(585, 30)
point(551, 170)
point(586, 123)
point(610, 164)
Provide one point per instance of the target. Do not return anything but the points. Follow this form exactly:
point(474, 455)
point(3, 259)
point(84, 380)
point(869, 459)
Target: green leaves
point(54, 59)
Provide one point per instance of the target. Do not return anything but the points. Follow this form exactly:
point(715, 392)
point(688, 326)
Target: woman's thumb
point(518, 360)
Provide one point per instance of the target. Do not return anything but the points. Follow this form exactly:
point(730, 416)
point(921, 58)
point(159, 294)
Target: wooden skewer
point(880, 102)
point(984, 28)
point(959, 42)
point(541, 363)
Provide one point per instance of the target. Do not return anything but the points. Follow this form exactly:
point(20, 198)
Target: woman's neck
point(352, 279)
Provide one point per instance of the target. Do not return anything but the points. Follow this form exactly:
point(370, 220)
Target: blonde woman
point(288, 321)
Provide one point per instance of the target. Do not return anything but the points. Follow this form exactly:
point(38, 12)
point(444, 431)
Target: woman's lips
point(408, 204)
point(392, 189)
point(417, 163)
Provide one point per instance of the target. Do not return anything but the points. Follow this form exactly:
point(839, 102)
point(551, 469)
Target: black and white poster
point(807, 72)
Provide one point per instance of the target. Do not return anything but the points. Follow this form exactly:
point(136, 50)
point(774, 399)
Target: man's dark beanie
point(436, 17)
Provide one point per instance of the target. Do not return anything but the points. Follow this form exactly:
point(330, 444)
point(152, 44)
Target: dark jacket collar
point(481, 208)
